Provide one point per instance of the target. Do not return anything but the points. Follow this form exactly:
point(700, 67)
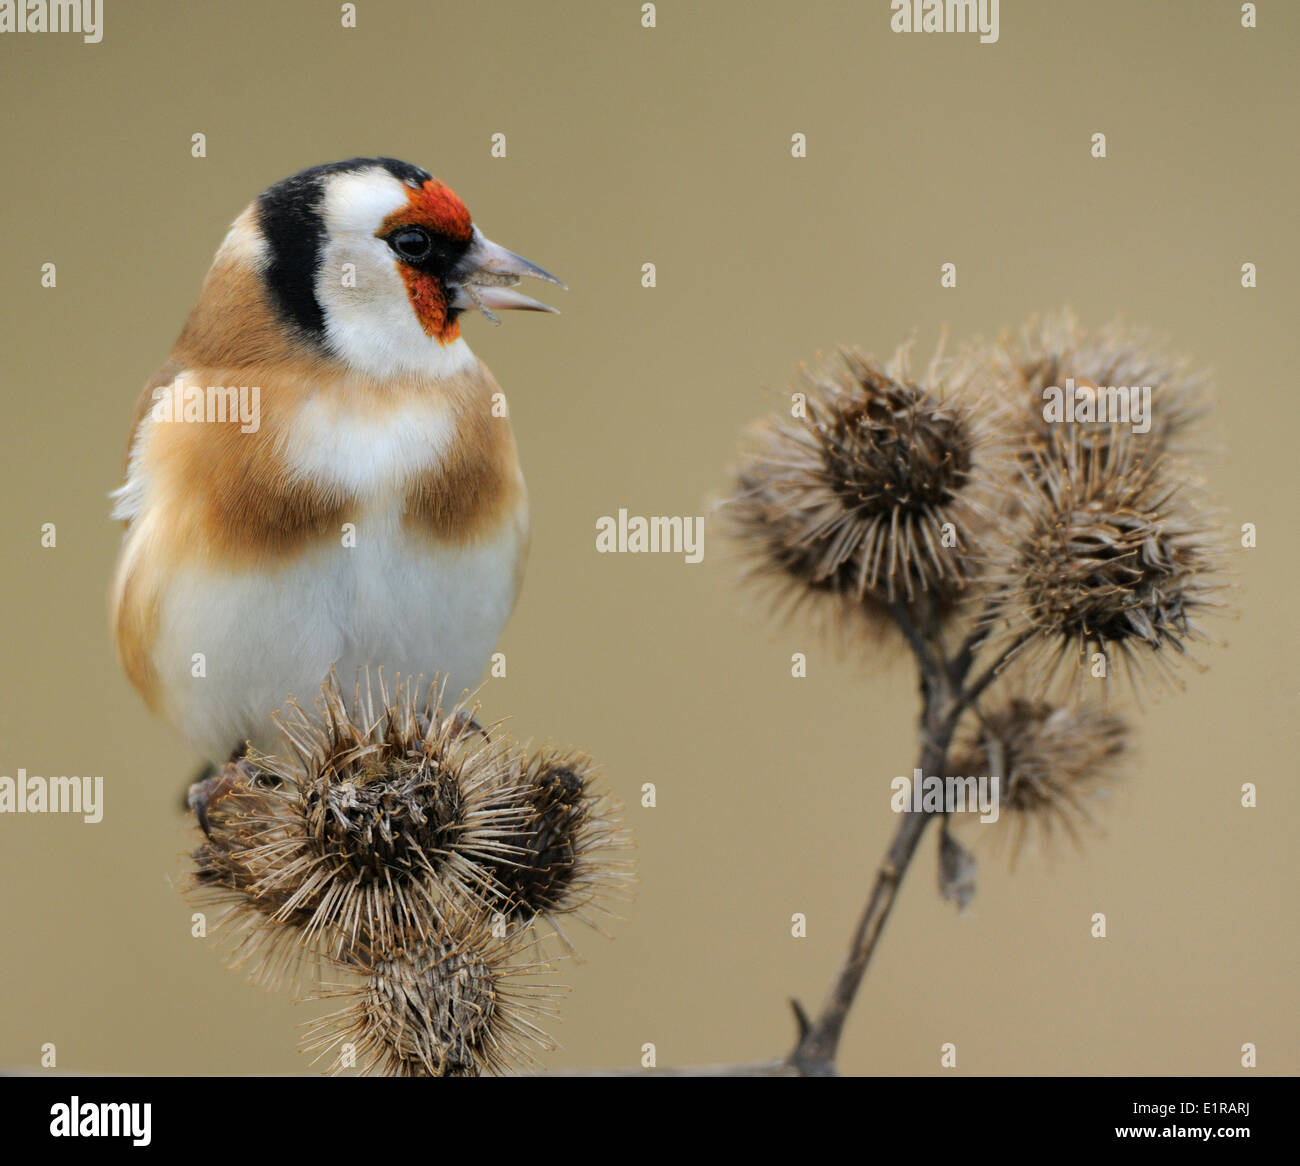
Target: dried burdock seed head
point(1112, 553)
point(382, 808)
point(1053, 350)
point(460, 1001)
point(568, 857)
point(411, 849)
point(245, 819)
point(871, 489)
point(1050, 762)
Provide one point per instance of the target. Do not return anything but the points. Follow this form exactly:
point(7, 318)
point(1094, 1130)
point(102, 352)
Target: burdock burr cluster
point(1028, 517)
point(1028, 512)
point(421, 859)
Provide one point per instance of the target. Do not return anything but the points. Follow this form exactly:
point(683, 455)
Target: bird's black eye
point(412, 243)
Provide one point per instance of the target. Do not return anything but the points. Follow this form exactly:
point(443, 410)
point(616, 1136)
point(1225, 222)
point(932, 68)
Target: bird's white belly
point(394, 601)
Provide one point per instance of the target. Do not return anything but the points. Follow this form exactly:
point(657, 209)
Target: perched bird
point(322, 473)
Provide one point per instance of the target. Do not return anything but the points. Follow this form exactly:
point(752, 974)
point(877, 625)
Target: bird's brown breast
point(238, 498)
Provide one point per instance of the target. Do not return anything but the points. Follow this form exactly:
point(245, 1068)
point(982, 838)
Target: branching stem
point(944, 696)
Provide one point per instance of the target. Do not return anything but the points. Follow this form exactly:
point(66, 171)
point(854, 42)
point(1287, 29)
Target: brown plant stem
point(814, 1055)
point(943, 699)
point(972, 692)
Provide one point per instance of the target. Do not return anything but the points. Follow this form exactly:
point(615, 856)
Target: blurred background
point(672, 146)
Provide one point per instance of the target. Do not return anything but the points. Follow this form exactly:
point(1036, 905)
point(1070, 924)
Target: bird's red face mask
point(448, 266)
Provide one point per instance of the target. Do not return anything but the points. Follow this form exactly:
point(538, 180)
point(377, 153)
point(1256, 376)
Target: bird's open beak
point(487, 276)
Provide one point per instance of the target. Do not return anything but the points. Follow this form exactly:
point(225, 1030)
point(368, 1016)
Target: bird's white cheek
point(369, 319)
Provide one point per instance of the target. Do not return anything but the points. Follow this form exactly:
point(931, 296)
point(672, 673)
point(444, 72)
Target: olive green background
point(672, 146)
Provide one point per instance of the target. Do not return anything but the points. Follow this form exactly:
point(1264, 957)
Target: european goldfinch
point(322, 474)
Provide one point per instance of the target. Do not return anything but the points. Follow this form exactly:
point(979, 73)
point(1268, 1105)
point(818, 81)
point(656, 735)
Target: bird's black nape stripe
point(290, 217)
